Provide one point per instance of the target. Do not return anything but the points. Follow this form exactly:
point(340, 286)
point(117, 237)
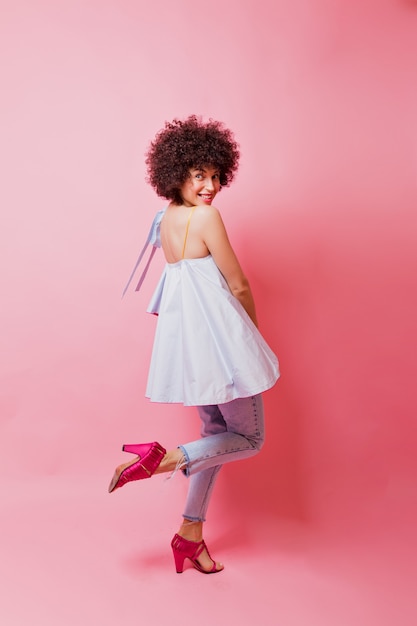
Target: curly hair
point(187, 144)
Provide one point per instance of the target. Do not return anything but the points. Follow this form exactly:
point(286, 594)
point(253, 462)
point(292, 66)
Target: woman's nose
point(209, 184)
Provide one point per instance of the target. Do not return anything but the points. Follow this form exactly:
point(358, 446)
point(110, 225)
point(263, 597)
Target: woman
point(207, 351)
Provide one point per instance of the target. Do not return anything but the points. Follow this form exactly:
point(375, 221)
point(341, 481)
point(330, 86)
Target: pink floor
point(73, 554)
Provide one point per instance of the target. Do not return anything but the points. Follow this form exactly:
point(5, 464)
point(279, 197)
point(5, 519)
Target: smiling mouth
point(205, 196)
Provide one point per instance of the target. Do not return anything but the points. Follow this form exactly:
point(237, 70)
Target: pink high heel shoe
point(185, 549)
point(150, 456)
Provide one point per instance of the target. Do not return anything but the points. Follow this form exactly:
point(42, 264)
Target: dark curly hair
point(186, 144)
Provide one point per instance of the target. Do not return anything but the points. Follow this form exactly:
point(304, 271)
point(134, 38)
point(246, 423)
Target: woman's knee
point(258, 413)
point(257, 441)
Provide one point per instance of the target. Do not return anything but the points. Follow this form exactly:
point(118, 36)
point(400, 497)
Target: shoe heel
point(177, 545)
point(179, 559)
point(135, 448)
point(141, 449)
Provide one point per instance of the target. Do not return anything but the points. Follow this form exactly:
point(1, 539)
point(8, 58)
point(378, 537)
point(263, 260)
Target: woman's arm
point(216, 239)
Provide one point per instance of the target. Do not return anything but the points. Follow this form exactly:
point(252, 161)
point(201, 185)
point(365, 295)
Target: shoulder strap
point(186, 231)
point(154, 239)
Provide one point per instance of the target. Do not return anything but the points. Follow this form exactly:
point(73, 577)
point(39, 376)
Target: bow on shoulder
point(153, 239)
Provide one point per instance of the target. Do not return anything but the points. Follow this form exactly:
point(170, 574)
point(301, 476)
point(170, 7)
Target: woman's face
point(201, 186)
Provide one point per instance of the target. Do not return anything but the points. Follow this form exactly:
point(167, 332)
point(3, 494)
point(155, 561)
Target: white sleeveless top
point(206, 350)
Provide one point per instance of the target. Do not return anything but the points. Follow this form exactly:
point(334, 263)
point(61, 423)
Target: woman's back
point(182, 233)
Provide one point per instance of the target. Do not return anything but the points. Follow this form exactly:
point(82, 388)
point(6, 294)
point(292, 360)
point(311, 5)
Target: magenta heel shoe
point(185, 549)
point(150, 456)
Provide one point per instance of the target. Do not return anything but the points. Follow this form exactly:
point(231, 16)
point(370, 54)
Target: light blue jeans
point(229, 432)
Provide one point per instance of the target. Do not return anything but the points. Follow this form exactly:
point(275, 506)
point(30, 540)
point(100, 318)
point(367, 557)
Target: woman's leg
point(229, 432)
point(202, 483)
point(242, 438)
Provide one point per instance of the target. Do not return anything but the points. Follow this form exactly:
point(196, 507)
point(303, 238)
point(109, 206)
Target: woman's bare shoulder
point(208, 213)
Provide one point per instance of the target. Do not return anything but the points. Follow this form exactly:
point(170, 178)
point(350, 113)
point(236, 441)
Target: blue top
point(206, 350)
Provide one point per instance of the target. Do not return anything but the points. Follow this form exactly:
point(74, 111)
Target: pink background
point(322, 95)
